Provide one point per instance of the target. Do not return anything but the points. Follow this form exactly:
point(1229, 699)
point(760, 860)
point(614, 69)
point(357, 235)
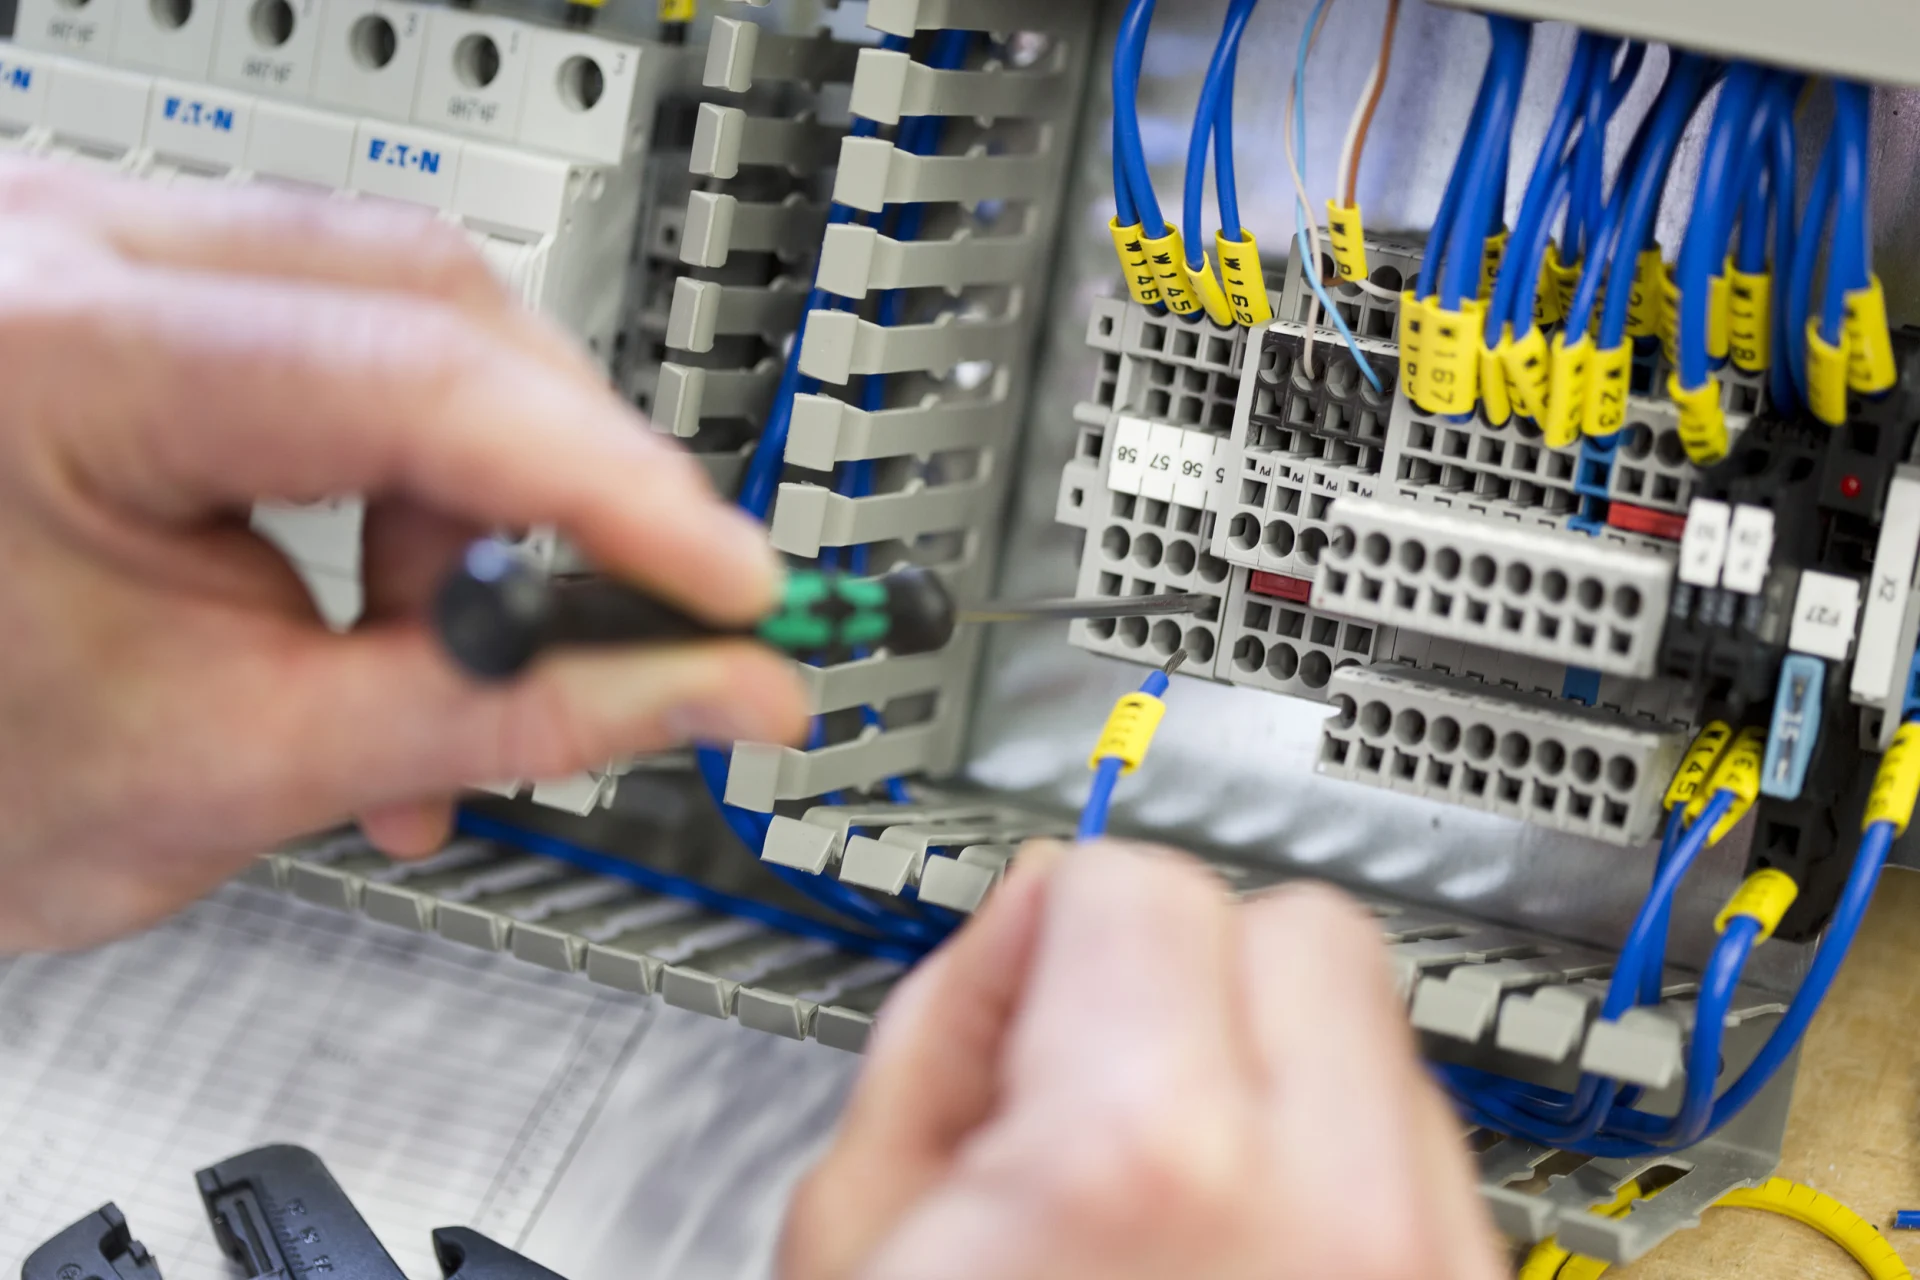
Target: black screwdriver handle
point(497, 611)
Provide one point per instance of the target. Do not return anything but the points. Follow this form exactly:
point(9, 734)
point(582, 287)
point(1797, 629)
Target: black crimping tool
point(278, 1213)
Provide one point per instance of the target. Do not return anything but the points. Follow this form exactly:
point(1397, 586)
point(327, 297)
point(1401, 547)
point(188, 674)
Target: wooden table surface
point(1854, 1131)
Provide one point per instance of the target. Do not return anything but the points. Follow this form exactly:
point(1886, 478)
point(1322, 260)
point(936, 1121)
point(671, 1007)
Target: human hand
point(1116, 1073)
point(169, 704)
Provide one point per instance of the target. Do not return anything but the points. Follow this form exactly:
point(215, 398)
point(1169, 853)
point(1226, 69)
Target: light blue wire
point(1309, 269)
point(1213, 130)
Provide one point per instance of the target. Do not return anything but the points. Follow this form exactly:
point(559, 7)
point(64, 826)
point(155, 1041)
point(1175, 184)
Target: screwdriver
point(497, 611)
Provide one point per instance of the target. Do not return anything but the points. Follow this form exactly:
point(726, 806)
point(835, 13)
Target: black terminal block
point(98, 1247)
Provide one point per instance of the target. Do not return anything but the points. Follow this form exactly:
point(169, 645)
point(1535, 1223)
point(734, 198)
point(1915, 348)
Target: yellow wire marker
point(1129, 732)
point(1816, 1209)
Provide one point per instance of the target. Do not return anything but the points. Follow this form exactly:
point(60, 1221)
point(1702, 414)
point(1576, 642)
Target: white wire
point(1352, 140)
point(1305, 203)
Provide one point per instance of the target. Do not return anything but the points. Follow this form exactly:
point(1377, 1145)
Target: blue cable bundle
point(1213, 128)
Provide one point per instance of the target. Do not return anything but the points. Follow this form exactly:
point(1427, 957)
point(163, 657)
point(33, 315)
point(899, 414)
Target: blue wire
point(1310, 269)
point(1711, 223)
point(1482, 195)
point(1528, 253)
point(1711, 1006)
point(1578, 1117)
point(1806, 254)
point(1213, 127)
point(469, 823)
point(1093, 815)
point(1654, 963)
point(1589, 179)
point(1455, 193)
point(1682, 94)
point(1130, 157)
point(1846, 263)
point(1536, 207)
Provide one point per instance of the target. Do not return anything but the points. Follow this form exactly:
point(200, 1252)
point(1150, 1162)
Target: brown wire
point(1373, 101)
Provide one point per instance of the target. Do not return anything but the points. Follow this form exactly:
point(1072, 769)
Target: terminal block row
point(950, 319)
point(1482, 995)
point(1554, 764)
point(1538, 592)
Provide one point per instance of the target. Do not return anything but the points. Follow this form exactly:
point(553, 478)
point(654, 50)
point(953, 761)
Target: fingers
point(931, 1077)
point(409, 828)
point(229, 389)
point(408, 550)
point(269, 231)
point(1331, 1028)
point(381, 716)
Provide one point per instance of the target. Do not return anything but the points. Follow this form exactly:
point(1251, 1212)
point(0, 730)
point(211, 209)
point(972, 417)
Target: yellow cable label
point(670, 10)
point(1897, 782)
point(1528, 364)
point(1719, 313)
point(1738, 772)
point(1495, 401)
point(1349, 246)
point(1212, 296)
point(1169, 258)
point(1413, 334)
point(1764, 897)
point(1567, 390)
point(1703, 419)
point(1643, 299)
point(1830, 1218)
point(1492, 253)
point(1450, 357)
point(1558, 281)
point(1129, 731)
point(1870, 368)
point(1750, 320)
point(1826, 376)
point(1607, 385)
point(1246, 283)
point(1142, 284)
point(1669, 315)
point(1698, 763)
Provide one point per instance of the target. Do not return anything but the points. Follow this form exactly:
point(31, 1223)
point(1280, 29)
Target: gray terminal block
point(717, 225)
point(1276, 510)
point(1504, 473)
point(1317, 405)
point(727, 139)
point(856, 261)
point(688, 395)
point(741, 55)
point(704, 310)
point(1141, 547)
point(1562, 766)
point(1374, 313)
point(1284, 645)
point(1538, 592)
point(892, 85)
